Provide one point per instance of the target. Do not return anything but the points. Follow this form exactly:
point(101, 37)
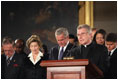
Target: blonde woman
point(32, 68)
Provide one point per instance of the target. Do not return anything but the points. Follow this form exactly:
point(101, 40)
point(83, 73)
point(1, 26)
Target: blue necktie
point(61, 54)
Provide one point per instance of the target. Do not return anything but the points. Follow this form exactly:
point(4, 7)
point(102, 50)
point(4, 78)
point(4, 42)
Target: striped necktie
point(8, 61)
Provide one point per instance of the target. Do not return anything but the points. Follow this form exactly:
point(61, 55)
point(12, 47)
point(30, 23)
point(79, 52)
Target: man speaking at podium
point(97, 54)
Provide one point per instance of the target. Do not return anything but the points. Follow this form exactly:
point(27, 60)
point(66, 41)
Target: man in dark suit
point(111, 44)
point(61, 50)
point(96, 54)
point(11, 62)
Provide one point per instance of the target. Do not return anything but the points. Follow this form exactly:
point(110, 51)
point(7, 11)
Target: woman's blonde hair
point(34, 38)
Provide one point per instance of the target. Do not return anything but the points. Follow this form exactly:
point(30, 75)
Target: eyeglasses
point(7, 50)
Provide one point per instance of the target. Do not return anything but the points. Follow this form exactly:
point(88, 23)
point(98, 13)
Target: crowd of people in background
point(93, 44)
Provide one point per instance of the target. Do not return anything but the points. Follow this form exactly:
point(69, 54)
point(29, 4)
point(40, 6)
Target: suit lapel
point(29, 62)
point(13, 59)
point(69, 46)
point(56, 53)
point(90, 51)
point(114, 53)
point(4, 61)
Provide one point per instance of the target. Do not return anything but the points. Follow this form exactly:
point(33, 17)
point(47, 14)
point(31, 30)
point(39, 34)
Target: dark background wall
point(21, 19)
point(105, 15)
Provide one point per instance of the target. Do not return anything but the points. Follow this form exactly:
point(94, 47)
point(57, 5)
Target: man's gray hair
point(8, 40)
point(62, 30)
point(87, 27)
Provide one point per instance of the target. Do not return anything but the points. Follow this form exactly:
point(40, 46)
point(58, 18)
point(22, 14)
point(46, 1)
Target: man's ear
point(68, 37)
point(14, 47)
point(116, 44)
point(90, 35)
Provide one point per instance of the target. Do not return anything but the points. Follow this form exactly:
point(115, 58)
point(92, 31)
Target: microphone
point(68, 55)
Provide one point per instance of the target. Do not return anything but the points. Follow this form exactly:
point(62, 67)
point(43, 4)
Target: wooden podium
point(71, 69)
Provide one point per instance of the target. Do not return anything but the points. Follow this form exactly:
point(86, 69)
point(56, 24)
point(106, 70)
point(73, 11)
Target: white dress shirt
point(11, 56)
point(64, 48)
point(37, 58)
point(112, 51)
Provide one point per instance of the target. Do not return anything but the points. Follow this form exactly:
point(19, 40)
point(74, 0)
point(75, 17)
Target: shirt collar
point(112, 51)
point(40, 54)
point(64, 48)
point(87, 45)
point(11, 56)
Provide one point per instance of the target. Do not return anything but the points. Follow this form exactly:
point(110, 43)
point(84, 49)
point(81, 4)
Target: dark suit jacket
point(31, 71)
point(53, 55)
point(112, 71)
point(97, 54)
point(13, 70)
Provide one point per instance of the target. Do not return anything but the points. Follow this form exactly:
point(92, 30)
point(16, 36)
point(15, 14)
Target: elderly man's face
point(62, 40)
point(84, 37)
point(8, 49)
